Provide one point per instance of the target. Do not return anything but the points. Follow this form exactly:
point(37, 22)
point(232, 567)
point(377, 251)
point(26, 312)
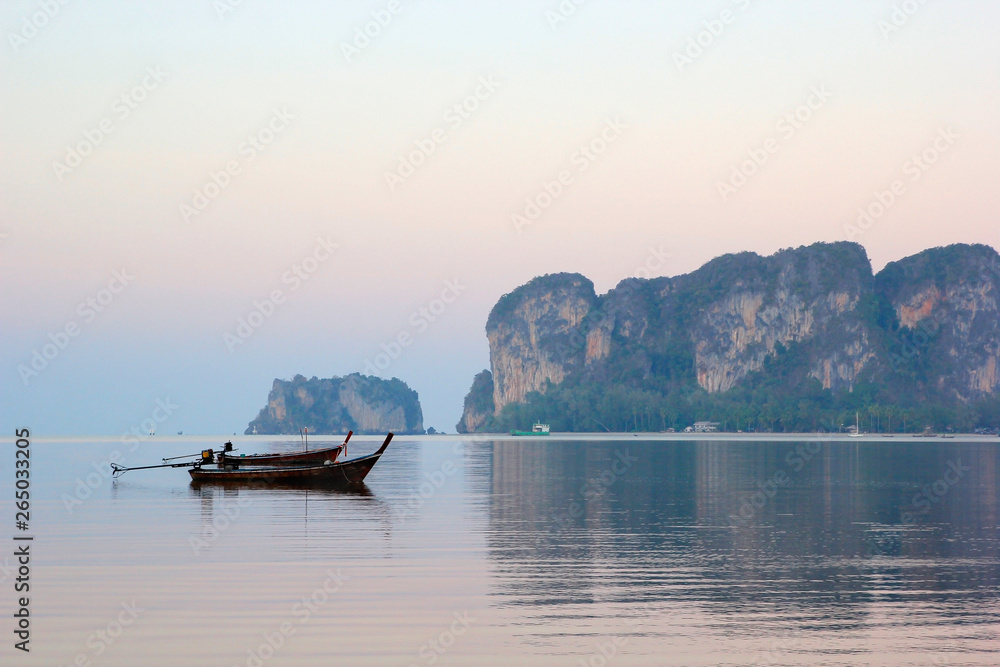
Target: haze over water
point(526, 552)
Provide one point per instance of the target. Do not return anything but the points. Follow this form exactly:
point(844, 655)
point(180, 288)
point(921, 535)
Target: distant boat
point(180, 432)
point(857, 428)
point(538, 429)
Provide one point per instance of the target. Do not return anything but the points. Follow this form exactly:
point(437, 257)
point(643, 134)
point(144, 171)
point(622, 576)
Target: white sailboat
point(857, 428)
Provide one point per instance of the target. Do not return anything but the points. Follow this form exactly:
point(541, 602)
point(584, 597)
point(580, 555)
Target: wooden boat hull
point(316, 457)
point(346, 474)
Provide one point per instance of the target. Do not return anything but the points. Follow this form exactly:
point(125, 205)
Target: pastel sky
point(198, 86)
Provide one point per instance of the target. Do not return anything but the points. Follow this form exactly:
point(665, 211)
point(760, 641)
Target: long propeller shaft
point(118, 471)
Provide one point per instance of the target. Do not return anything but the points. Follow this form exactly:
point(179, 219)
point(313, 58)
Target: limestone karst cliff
point(947, 304)
point(528, 331)
point(364, 404)
point(809, 320)
point(478, 408)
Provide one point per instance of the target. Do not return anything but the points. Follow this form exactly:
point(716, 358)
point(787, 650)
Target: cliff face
point(807, 296)
point(815, 313)
point(947, 305)
point(528, 330)
point(478, 406)
point(364, 404)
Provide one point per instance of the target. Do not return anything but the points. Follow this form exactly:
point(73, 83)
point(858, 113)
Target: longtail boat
point(223, 469)
point(303, 458)
point(307, 457)
point(346, 474)
point(315, 457)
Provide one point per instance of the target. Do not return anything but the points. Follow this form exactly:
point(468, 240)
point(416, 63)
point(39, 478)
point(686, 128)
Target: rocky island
point(797, 341)
point(361, 403)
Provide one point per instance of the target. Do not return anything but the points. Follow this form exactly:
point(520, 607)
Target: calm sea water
point(527, 552)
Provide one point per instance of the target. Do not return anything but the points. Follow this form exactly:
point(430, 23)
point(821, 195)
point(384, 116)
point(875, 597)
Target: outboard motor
point(226, 448)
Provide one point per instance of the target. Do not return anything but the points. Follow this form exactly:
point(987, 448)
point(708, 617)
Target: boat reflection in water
point(295, 520)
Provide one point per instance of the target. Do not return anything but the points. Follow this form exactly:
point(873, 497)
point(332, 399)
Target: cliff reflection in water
point(797, 529)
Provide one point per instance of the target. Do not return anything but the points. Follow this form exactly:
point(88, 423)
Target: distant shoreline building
point(703, 427)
